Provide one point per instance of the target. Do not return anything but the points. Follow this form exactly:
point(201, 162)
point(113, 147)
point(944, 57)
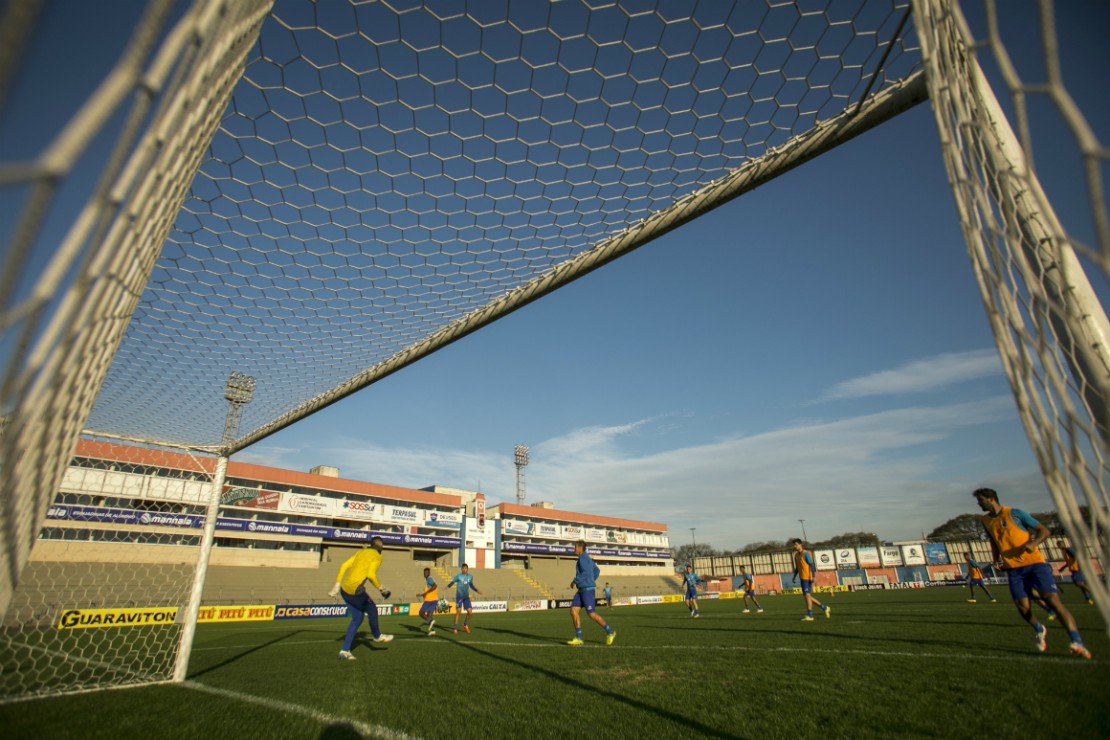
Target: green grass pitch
point(887, 664)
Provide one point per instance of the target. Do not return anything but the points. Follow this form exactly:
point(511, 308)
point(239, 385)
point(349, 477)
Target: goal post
point(1049, 325)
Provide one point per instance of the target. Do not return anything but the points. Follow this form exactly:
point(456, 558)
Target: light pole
point(239, 391)
point(803, 523)
point(520, 455)
point(695, 541)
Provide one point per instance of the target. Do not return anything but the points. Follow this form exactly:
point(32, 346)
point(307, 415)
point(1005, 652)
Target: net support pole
point(188, 619)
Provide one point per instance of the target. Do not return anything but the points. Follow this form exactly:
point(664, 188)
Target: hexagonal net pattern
point(387, 171)
point(103, 600)
point(1048, 321)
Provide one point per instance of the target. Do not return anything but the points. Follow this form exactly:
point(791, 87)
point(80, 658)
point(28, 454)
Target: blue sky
point(816, 349)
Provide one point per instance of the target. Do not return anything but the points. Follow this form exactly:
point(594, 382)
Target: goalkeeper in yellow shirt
point(351, 585)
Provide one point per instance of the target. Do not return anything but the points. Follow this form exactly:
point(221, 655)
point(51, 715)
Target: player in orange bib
point(1014, 539)
point(1071, 562)
point(975, 578)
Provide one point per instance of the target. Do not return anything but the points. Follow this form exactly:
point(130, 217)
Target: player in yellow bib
point(351, 585)
point(430, 594)
point(1014, 537)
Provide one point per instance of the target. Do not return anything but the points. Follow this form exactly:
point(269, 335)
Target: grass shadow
point(245, 653)
point(525, 635)
point(685, 722)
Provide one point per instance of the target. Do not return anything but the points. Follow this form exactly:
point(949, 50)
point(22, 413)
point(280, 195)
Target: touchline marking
point(321, 717)
point(874, 653)
point(287, 643)
point(734, 648)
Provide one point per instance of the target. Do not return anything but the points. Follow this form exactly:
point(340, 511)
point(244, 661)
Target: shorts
point(1028, 578)
point(1077, 577)
point(461, 604)
point(584, 600)
point(691, 592)
point(428, 607)
point(975, 582)
point(807, 586)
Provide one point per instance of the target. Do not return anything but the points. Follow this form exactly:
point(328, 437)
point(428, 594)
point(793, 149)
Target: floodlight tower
point(520, 455)
point(239, 391)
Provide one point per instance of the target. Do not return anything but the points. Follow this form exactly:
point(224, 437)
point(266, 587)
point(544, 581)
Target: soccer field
point(887, 664)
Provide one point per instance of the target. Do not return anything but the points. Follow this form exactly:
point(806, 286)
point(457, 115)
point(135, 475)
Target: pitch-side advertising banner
point(252, 497)
point(913, 554)
point(868, 557)
point(490, 606)
point(310, 611)
point(532, 605)
point(512, 526)
point(123, 516)
point(547, 530)
point(235, 614)
point(87, 618)
point(402, 515)
point(846, 558)
point(936, 553)
point(298, 503)
point(443, 519)
point(567, 550)
point(891, 555)
point(358, 510)
point(825, 559)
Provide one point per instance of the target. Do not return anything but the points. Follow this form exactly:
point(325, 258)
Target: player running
point(585, 580)
point(804, 567)
point(465, 583)
point(431, 600)
point(1071, 562)
point(975, 578)
point(748, 585)
point(351, 585)
point(690, 580)
point(1014, 537)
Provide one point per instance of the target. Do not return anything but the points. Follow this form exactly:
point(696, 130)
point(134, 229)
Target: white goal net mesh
point(320, 193)
point(1047, 317)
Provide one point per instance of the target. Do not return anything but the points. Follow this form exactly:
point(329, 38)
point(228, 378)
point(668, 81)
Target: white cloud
point(862, 473)
point(919, 376)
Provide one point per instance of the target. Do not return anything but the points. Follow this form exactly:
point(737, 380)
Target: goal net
point(318, 194)
point(1048, 321)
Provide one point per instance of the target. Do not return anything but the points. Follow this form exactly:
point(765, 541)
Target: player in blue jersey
point(975, 578)
point(749, 591)
point(351, 585)
point(430, 595)
point(690, 583)
point(464, 584)
point(608, 591)
point(1071, 562)
point(585, 580)
point(804, 567)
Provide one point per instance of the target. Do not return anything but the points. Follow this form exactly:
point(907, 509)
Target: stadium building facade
point(115, 497)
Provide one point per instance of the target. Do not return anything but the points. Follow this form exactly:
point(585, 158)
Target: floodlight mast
point(520, 454)
point(239, 391)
